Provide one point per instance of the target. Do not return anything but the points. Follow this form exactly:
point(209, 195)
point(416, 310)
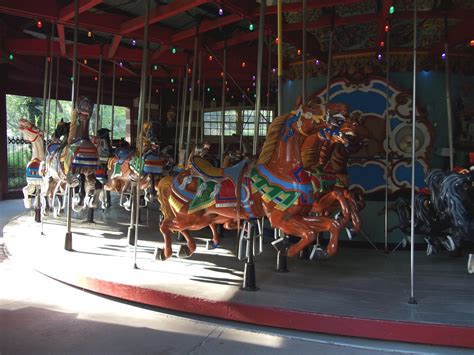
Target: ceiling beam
point(62, 39)
point(311, 4)
point(160, 13)
point(67, 12)
point(240, 38)
point(205, 26)
point(113, 47)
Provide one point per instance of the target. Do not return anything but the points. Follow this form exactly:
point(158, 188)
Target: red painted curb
point(423, 333)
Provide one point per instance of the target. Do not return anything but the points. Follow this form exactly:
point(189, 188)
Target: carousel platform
point(360, 293)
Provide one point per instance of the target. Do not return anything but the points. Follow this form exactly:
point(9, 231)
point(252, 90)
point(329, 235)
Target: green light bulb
point(173, 50)
point(391, 10)
point(208, 89)
point(251, 27)
point(172, 80)
point(10, 56)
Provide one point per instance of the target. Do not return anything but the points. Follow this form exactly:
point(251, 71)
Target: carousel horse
point(275, 186)
point(125, 167)
point(104, 147)
point(74, 161)
point(444, 212)
point(326, 161)
point(34, 180)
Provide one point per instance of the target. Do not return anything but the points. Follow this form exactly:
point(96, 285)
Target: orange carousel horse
point(275, 186)
point(327, 163)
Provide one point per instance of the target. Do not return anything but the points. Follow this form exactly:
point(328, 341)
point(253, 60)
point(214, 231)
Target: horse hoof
point(431, 250)
point(211, 245)
point(318, 254)
point(160, 254)
point(184, 252)
point(470, 264)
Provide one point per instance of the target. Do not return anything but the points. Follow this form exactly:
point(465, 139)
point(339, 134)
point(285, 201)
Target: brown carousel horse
point(275, 186)
point(125, 167)
point(327, 163)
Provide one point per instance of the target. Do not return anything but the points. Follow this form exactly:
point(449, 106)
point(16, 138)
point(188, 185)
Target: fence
point(18, 155)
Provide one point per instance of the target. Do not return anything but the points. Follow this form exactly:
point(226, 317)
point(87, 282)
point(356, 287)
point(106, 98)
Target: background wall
point(431, 97)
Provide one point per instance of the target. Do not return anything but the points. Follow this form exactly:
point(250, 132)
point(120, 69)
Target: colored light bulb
point(251, 28)
point(391, 10)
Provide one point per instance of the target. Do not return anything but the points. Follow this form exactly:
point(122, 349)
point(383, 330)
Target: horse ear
point(299, 102)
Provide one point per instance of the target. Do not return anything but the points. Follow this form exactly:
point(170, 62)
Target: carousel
point(332, 190)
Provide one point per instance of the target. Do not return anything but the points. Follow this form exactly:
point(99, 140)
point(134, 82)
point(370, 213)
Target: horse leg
point(27, 190)
point(216, 238)
point(185, 251)
point(167, 252)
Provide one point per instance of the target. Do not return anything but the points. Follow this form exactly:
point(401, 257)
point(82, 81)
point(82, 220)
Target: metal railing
point(18, 156)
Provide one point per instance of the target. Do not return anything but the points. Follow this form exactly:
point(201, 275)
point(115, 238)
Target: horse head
point(62, 129)
point(29, 130)
point(84, 108)
point(354, 133)
point(105, 145)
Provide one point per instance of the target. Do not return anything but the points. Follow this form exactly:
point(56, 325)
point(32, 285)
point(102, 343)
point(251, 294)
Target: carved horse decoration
point(75, 161)
point(34, 179)
point(326, 160)
point(444, 213)
point(275, 186)
point(124, 168)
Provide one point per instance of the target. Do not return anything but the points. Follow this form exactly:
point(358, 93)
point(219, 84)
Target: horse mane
point(310, 152)
point(72, 127)
point(273, 136)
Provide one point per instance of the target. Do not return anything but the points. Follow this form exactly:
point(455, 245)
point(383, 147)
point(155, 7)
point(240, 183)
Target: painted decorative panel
point(368, 100)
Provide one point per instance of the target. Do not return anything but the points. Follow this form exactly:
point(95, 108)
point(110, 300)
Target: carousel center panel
point(361, 292)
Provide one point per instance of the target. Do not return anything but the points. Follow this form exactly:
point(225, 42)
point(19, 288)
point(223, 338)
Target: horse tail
point(164, 190)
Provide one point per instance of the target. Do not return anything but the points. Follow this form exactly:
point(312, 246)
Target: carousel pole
point(223, 105)
point(45, 90)
point(280, 57)
point(448, 95)
point(113, 103)
point(269, 70)
point(202, 110)
point(184, 99)
point(413, 137)
point(261, 31)
point(148, 112)
point(56, 94)
point(177, 118)
point(68, 238)
point(191, 98)
point(331, 35)
point(141, 116)
point(49, 85)
point(97, 103)
point(305, 21)
point(78, 80)
point(387, 138)
point(199, 84)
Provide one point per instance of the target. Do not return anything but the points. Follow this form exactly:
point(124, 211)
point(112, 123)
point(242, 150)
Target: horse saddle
point(32, 169)
point(205, 169)
point(153, 163)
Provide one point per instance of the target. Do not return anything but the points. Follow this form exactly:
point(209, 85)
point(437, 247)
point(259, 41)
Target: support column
point(97, 103)
point(280, 57)
point(223, 105)
point(113, 103)
point(258, 95)
point(448, 96)
point(305, 20)
point(191, 99)
point(3, 133)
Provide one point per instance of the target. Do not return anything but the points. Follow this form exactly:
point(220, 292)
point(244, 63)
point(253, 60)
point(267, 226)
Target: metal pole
point(191, 99)
point(113, 102)
point(149, 99)
point(387, 138)
point(202, 109)
point(99, 86)
point(448, 96)
point(141, 116)
point(68, 238)
point(223, 105)
point(56, 94)
point(305, 21)
point(413, 137)
point(331, 35)
point(177, 118)
point(78, 80)
point(46, 134)
point(261, 29)
point(198, 115)
point(45, 91)
point(184, 98)
point(269, 70)
point(280, 57)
